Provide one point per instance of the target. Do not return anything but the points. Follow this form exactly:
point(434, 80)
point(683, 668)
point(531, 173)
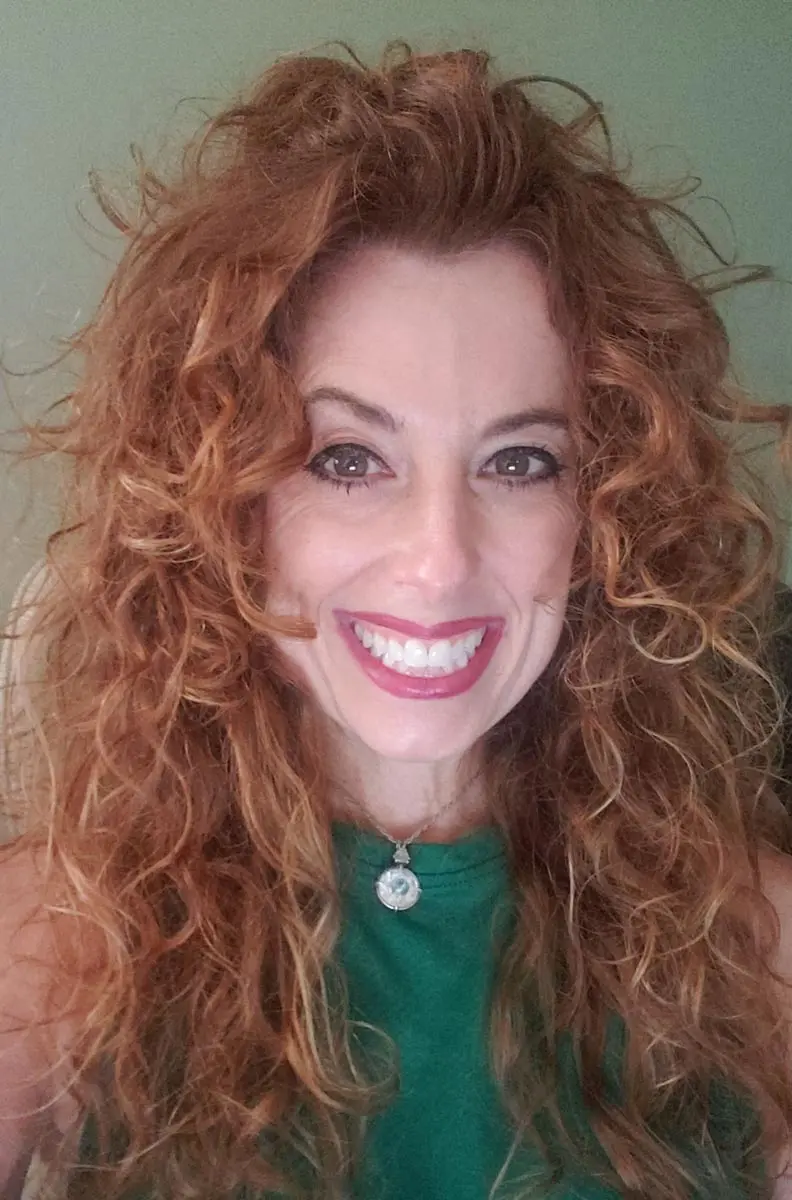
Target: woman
point(399, 799)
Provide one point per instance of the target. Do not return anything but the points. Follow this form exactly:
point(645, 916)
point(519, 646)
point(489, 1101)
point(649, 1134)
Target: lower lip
point(417, 687)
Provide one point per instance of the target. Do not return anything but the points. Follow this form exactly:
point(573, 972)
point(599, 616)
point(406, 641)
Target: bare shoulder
point(776, 878)
point(41, 944)
point(27, 930)
point(29, 933)
point(776, 872)
point(34, 1032)
point(24, 924)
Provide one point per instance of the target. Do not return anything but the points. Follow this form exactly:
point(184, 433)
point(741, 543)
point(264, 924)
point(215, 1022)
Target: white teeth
point(440, 655)
point(415, 656)
point(415, 653)
point(395, 652)
point(364, 635)
point(473, 641)
point(460, 654)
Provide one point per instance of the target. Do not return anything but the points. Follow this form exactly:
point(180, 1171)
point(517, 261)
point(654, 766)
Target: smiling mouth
point(421, 662)
point(419, 657)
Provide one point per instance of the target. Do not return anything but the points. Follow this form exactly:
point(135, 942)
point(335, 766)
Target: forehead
point(468, 334)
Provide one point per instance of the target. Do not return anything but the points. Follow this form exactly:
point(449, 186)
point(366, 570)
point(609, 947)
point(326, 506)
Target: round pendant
point(398, 888)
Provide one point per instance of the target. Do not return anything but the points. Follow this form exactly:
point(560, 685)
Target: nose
point(437, 540)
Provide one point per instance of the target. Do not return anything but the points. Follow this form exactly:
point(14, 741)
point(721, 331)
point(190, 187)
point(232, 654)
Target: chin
point(419, 744)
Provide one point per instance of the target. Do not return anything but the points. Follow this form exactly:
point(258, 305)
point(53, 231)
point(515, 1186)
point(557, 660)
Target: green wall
point(701, 85)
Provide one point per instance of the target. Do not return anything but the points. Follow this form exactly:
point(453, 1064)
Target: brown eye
point(347, 462)
point(344, 464)
point(523, 465)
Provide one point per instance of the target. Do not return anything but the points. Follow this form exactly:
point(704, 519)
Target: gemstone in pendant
point(398, 888)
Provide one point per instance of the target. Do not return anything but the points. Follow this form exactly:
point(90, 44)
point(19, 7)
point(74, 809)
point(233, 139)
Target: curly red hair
point(176, 778)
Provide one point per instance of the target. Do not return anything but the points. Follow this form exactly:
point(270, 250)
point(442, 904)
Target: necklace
point(398, 887)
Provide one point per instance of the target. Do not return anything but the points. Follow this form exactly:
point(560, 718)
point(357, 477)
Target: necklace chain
point(435, 816)
point(397, 886)
point(406, 841)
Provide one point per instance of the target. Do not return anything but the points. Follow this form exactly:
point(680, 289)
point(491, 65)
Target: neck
point(400, 796)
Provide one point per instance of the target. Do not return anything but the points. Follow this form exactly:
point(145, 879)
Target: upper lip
point(446, 629)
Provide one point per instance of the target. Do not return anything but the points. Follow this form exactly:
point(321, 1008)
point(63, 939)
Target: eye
point(523, 466)
point(345, 465)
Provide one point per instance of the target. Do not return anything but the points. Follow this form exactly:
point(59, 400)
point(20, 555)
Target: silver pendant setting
point(398, 887)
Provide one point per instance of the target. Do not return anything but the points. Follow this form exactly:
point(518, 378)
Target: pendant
point(398, 887)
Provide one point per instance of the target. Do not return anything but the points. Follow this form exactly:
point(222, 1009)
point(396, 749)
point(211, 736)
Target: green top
point(425, 977)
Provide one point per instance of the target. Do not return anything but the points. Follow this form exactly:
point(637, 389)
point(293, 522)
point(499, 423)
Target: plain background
point(688, 86)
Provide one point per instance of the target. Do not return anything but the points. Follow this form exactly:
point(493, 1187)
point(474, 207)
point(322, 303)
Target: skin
point(434, 527)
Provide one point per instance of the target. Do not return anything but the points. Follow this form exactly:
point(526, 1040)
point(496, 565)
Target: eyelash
point(314, 466)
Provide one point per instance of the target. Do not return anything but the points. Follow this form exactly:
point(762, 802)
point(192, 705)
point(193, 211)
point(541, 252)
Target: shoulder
point(27, 1083)
point(775, 871)
point(44, 951)
point(29, 939)
point(25, 924)
point(37, 1019)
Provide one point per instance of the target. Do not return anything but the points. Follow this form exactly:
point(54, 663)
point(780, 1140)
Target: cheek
point(290, 547)
point(557, 565)
point(311, 554)
point(536, 553)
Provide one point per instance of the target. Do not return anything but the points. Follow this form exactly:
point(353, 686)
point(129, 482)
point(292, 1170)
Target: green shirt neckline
point(473, 862)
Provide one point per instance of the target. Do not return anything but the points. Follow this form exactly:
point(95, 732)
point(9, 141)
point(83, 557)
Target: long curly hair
point(173, 782)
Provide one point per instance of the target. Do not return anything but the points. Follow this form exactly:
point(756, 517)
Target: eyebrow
point(374, 414)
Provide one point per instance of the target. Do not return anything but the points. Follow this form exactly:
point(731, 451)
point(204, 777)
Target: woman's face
point(430, 536)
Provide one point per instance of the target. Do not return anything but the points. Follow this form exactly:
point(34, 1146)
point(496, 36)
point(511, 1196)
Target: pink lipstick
point(421, 687)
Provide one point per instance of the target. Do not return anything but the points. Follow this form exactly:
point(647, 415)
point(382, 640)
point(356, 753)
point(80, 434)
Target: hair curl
point(176, 781)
